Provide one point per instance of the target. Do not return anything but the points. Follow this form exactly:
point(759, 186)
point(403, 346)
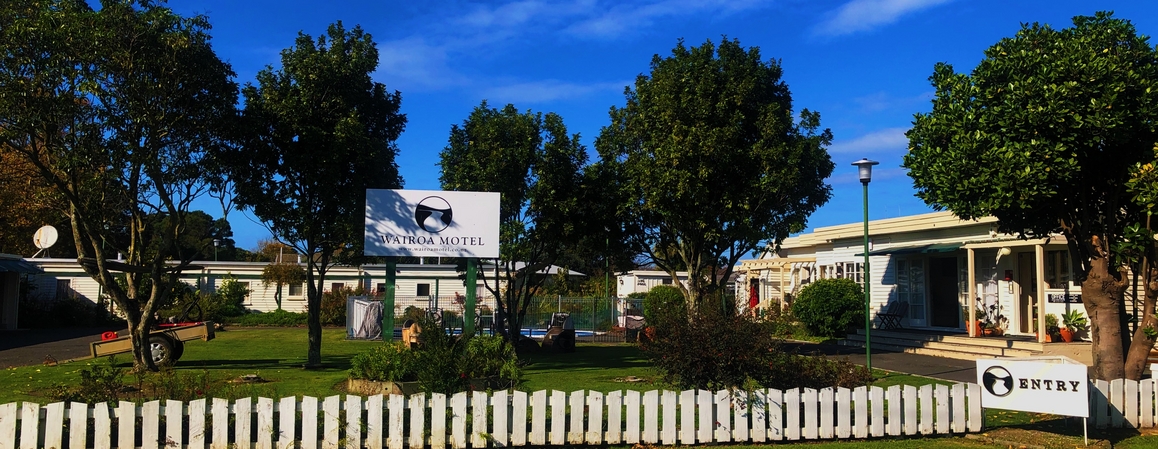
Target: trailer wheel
point(178, 349)
point(161, 349)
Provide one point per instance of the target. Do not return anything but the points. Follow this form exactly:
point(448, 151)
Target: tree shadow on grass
point(589, 356)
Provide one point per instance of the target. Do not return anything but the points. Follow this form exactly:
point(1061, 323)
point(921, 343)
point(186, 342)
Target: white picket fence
point(503, 419)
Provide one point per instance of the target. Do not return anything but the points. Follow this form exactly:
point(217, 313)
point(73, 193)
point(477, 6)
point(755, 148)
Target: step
point(955, 346)
point(954, 353)
point(999, 342)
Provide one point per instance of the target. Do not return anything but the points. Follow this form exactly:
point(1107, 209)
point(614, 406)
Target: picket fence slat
point(792, 414)
point(458, 404)
point(518, 419)
point(909, 400)
point(651, 417)
point(894, 424)
point(1132, 418)
point(559, 414)
point(723, 424)
point(687, 404)
point(437, 421)
point(667, 405)
point(309, 424)
point(417, 420)
point(538, 435)
point(707, 423)
point(578, 402)
point(810, 413)
point(843, 412)
point(500, 406)
point(595, 418)
point(860, 408)
point(877, 414)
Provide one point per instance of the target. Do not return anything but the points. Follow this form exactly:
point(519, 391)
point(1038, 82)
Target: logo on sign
point(997, 381)
point(433, 214)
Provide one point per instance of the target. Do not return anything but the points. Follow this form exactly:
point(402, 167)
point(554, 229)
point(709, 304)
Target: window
point(380, 288)
point(295, 289)
point(423, 289)
point(666, 281)
point(337, 287)
point(1057, 269)
point(64, 289)
point(850, 270)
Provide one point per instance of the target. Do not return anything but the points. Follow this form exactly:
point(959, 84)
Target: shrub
point(712, 351)
point(391, 362)
point(663, 303)
point(812, 371)
point(490, 357)
point(333, 310)
point(98, 383)
point(828, 307)
point(275, 318)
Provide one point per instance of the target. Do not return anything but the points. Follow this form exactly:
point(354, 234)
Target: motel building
point(925, 268)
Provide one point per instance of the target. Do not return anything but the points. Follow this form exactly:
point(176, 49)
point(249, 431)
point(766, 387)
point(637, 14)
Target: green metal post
point(865, 276)
point(471, 288)
point(388, 300)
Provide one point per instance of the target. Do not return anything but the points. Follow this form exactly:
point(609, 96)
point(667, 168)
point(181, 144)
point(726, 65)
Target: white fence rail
point(502, 418)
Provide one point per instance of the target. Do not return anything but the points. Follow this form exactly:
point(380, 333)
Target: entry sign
point(1057, 385)
point(432, 223)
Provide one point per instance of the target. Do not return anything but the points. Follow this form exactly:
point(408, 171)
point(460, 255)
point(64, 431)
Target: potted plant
point(1074, 322)
point(1051, 328)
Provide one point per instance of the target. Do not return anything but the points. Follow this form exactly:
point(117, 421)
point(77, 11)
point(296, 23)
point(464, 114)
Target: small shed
point(11, 267)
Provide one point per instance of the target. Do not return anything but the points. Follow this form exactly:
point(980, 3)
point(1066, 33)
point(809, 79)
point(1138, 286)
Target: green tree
point(320, 132)
point(121, 109)
point(1043, 135)
point(711, 163)
point(537, 168)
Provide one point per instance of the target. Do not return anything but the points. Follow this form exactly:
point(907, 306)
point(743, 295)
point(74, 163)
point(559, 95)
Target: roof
point(10, 265)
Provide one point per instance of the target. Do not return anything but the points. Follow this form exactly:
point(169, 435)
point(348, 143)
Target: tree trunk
point(139, 337)
point(1102, 292)
point(1142, 343)
point(313, 322)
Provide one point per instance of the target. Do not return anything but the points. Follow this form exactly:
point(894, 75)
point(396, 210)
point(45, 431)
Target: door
point(1027, 294)
point(943, 294)
point(911, 288)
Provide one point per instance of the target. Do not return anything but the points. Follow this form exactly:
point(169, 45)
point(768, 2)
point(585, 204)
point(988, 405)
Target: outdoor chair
point(891, 317)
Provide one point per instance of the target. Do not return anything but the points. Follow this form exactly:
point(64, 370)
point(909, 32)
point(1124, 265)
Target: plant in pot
point(1052, 328)
point(1074, 322)
point(388, 369)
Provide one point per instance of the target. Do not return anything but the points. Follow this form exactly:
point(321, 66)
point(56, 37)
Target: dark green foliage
point(274, 318)
point(98, 383)
point(220, 306)
point(490, 357)
point(812, 371)
point(664, 303)
point(828, 307)
point(711, 351)
point(391, 362)
point(333, 312)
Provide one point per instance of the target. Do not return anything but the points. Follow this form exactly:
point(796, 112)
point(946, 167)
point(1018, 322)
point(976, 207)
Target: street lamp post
point(215, 243)
point(865, 167)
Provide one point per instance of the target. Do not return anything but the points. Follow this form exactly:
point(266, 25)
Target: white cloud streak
point(888, 139)
point(864, 15)
point(548, 90)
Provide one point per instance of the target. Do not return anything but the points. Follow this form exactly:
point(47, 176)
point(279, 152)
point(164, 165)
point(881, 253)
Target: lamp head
point(865, 168)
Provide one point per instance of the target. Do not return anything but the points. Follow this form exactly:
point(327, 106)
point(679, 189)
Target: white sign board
point(432, 223)
point(1057, 385)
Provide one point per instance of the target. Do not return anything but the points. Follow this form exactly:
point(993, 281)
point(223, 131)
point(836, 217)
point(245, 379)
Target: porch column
point(972, 292)
point(783, 291)
point(1039, 253)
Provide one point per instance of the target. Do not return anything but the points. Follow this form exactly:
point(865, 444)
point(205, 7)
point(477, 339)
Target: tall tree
point(1043, 135)
point(711, 163)
point(121, 109)
point(320, 132)
point(537, 168)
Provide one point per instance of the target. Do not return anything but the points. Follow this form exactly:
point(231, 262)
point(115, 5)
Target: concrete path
point(36, 346)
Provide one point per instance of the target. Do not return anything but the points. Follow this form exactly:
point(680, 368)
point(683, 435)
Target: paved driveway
point(34, 347)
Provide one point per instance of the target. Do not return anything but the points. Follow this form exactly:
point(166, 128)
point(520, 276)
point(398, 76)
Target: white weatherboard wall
point(500, 419)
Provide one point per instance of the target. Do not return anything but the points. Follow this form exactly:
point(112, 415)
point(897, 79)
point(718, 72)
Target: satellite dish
point(45, 237)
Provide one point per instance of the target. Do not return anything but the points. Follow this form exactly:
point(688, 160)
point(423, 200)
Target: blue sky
point(863, 64)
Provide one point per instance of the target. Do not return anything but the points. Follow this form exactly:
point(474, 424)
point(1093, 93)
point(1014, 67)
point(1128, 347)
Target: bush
point(490, 357)
point(712, 351)
point(664, 303)
point(391, 362)
point(828, 307)
point(812, 371)
point(333, 310)
point(275, 318)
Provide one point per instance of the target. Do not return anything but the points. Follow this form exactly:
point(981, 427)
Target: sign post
point(1049, 384)
point(388, 300)
point(432, 223)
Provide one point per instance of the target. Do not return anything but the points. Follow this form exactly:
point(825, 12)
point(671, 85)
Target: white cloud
point(888, 139)
point(863, 15)
point(413, 63)
point(881, 101)
point(547, 90)
point(621, 18)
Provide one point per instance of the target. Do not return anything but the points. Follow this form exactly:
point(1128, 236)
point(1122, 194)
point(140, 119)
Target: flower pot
point(373, 387)
point(1066, 335)
point(976, 328)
